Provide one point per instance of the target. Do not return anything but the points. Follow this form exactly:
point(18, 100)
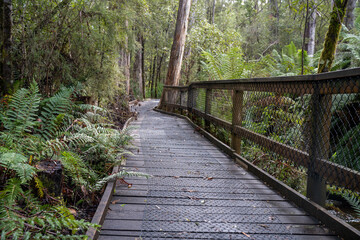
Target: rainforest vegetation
point(70, 67)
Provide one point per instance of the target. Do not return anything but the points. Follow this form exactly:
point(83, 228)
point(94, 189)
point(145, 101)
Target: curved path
point(196, 192)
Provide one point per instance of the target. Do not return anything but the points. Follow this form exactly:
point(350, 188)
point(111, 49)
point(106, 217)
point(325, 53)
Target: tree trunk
point(138, 74)
point(311, 31)
point(213, 12)
point(158, 74)
point(350, 18)
point(187, 53)
point(332, 36)
point(124, 62)
point(152, 78)
point(177, 50)
point(6, 42)
point(274, 10)
point(321, 109)
point(143, 65)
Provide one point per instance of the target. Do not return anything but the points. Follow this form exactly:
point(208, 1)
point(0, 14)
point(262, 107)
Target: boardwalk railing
point(310, 122)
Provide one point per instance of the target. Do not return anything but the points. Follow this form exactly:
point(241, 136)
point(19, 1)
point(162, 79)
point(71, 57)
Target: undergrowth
point(37, 131)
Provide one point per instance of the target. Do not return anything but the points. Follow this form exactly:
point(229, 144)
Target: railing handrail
point(354, 72)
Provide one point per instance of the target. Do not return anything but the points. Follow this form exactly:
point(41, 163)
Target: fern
point(120, 174)
point(18, 163)
point(23, 110)
point(354, 201)
point(78, 170)
point(53, 112)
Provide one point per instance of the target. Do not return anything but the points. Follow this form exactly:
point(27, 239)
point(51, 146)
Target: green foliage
point(22, 113)
point(19, 164)
point(354, 201)
point(55, 128)
point(288, 62)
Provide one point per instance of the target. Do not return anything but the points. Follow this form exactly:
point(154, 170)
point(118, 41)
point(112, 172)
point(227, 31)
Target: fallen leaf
point(264, 226)
point(193, 198)
point(209, 178)
point(246, 234)
point(115, 201)
point(176, 176)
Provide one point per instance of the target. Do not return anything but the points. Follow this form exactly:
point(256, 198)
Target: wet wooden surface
point(196, 191)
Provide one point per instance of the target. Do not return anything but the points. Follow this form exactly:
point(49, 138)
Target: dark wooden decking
point(196, 192)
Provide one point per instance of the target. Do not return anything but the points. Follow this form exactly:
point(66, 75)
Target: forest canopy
point(123, 47)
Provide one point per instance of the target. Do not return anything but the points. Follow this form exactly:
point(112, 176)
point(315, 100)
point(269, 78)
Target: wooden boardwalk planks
point(196, 192)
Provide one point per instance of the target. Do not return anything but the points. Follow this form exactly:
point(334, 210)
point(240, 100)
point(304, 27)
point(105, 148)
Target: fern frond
point(120, 174)
point(53, 112)
point(18, 163)
point(23, 109)
point(40, 187)
point(354, 202)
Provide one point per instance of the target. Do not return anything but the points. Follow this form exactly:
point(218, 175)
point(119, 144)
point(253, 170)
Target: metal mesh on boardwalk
point(202, 208)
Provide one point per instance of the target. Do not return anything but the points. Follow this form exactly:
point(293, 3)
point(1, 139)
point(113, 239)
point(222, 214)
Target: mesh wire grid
point(303, 124)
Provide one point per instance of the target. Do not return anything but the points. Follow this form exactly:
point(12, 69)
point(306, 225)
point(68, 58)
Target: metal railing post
point(320, 144)
point(207, 108)
point(190, 102)
point(237, 109)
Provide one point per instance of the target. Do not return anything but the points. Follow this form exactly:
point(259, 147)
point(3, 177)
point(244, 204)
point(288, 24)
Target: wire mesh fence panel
point(199, 95)
point(184, 98)
point(311, 123)
point(221, 104)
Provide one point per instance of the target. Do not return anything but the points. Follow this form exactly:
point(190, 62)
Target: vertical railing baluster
point(207, 108)
point(237, 112)
point(319, 144)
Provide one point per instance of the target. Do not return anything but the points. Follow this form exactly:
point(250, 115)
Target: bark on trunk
point(143, 65)
point(6, 42)
point(138, 74)
point(124, 62)
point(332, 36)
point(311, 31)
point(213, 12)
point(177, 50)
point(152, 78)
point(350, 18)
point(274, 10)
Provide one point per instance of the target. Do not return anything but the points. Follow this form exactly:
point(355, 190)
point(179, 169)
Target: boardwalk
point(196, 192)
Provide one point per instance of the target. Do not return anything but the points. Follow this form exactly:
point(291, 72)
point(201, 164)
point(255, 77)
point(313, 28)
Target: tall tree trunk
point(321, 108)
point(158, 74)
point(350, 18)
point(213, 12)
point(138, 74)
point(143, 65)
point(124, 62)
point(310, 32)
point(152, 77)
point(274, 10)
point(332, 36)
point(6, 42)
point(187, 53)
point(177, 50)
